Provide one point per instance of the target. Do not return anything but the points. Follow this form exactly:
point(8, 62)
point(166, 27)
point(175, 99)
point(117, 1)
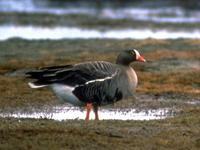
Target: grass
point(181, 132)
point(170, 79)
point(174, 82)
point(174, 66)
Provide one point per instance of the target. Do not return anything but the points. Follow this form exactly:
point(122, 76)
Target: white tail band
point(32, 85)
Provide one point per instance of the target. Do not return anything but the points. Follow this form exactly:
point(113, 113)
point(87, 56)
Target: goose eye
point(132, 52)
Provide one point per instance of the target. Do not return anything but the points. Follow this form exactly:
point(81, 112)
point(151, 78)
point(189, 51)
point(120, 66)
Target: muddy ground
point(170, 79)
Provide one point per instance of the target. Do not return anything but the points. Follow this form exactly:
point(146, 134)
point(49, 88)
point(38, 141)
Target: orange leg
point(88, 107)
point(96, 112)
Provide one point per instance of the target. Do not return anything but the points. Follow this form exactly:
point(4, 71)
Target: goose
point(90, 84)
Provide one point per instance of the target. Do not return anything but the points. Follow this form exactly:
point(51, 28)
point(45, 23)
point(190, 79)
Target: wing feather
point(72, 75)
point(100, 91)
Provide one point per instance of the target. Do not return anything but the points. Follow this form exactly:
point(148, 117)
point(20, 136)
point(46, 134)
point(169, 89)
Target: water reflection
point(64, 113)
point(35, 32)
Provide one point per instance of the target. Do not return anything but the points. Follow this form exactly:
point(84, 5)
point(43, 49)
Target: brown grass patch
point(163, 53)
point(16, 93)
point(146, 42)
point(173, 82)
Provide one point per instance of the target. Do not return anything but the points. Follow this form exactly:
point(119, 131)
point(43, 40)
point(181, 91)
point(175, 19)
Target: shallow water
point(170, 13)
point(65, 113)
point(159, 15)
point(36, 32)
point(44, 6)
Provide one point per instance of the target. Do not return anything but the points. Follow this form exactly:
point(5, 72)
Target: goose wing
point(72, 75)
point(101, 91)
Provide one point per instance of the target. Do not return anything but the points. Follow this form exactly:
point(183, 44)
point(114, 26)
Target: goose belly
point(132, 80)
point(64, 93)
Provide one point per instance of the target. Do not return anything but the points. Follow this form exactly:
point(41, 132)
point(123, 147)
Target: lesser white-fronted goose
point(91, 84)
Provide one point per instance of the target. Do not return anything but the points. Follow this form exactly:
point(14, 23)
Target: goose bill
point(141, 58)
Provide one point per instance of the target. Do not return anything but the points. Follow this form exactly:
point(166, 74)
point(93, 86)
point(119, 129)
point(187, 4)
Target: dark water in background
point(157, 11)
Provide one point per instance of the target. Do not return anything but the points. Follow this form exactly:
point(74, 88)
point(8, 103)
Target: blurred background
point(136, 19)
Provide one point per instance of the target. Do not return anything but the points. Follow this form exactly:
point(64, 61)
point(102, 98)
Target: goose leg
point(88, 109)
point(96, 112)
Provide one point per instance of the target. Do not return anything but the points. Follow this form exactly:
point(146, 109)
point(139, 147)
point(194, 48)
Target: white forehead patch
point(137, 53)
